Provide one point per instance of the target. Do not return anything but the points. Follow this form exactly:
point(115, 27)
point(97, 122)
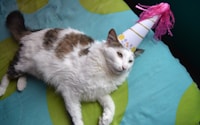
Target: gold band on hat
point(137, 33)
point(144, 26)
point(152, 20)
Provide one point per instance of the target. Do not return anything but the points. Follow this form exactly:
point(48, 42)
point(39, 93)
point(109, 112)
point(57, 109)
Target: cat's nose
point(124, 67)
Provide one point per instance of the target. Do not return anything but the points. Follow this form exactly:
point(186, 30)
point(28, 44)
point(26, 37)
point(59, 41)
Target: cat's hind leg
point(21, 83)
point(4, 84)
point(12, 73)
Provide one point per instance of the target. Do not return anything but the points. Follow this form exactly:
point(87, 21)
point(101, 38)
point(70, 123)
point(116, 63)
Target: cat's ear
point(112, 39)
point(138, 52)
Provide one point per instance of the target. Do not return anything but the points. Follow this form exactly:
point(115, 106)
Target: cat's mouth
point(115, 69)
point(118, 71)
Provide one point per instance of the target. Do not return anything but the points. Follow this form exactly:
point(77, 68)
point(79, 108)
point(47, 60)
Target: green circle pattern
point(188, 112)
point(5, 58)
point(104, 6)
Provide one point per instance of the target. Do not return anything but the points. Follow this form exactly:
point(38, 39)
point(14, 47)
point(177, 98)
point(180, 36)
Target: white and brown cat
point(80, 68)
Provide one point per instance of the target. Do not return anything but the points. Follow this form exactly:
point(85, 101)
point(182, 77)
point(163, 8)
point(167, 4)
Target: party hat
point(158, 17)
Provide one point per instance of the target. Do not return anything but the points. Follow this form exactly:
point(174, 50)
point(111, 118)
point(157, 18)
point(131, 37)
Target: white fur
point(4, 84)
point(78, 78)
point(21, 83)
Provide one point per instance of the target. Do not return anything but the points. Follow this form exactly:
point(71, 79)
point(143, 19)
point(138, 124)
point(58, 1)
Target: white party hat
point(158, 16)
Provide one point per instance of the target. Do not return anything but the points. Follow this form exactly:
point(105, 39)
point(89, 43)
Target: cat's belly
point(92, 94)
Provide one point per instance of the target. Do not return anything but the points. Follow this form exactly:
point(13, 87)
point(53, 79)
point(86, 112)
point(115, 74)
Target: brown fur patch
point(50, 37)
point(69, 41)
point(84, 52)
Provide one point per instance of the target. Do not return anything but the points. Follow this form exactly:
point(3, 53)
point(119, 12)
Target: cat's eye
point(119, 54)
point(130, 61)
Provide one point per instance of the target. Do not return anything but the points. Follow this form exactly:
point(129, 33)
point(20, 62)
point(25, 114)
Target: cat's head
point(119, 59)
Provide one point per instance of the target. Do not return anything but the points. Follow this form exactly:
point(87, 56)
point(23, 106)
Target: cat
point(79, 67)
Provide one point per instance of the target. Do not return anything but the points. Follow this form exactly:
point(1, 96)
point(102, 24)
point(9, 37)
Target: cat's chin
point(118, 72)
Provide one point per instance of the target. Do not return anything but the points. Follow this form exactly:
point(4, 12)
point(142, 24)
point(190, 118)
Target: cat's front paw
point(106, 119)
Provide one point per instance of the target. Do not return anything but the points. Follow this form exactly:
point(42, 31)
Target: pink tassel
point(166, 21)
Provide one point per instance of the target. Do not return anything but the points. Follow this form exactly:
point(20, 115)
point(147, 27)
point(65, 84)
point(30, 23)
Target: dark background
point(185, 43)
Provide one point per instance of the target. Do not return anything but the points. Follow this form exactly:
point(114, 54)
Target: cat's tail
point(15, 24)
